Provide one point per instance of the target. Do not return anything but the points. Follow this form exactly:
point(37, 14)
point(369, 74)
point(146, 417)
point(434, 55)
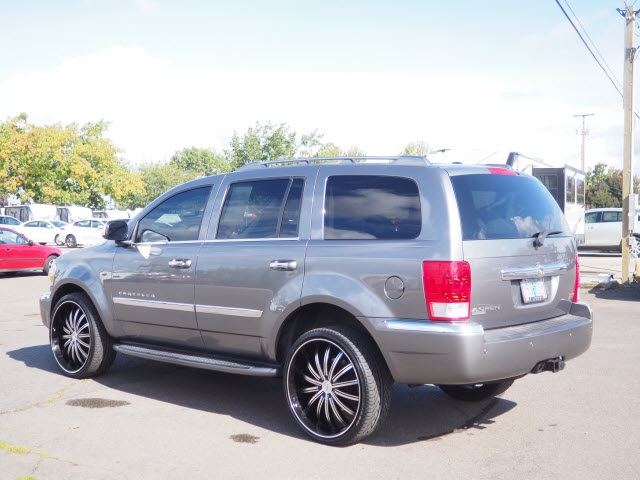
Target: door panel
point(153, 280)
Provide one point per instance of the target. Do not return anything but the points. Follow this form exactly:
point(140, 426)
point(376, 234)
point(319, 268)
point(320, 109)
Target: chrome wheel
point(324, 390)
point(336, 387)
point(71, 337)
point(80, 344)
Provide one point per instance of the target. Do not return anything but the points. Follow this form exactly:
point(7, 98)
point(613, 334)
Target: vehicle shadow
point(614, 291)
point(417, 414)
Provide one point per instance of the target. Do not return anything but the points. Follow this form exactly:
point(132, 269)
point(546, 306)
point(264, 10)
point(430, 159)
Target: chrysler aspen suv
point(339, 275)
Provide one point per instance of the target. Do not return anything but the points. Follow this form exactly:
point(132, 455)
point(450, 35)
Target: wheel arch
point(317, 315)
point(100, 304)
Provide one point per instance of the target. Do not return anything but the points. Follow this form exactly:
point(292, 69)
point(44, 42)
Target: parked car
point(18, 253)
point(340, 275)
point(82, 232)
point(9, 220)
point(603, 231)
point(41, 231)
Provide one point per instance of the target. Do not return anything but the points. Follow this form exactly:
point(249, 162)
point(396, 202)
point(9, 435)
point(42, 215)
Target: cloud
point(156, 108)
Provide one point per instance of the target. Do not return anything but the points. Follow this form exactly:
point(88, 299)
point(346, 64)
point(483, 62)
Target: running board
point(197, 360)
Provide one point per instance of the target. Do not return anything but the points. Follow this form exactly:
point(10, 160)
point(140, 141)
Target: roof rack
point(400, 160)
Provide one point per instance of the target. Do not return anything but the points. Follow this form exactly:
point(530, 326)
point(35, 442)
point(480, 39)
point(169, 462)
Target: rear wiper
point(540, 236)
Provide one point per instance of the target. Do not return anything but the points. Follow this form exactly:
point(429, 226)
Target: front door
point(153, 280)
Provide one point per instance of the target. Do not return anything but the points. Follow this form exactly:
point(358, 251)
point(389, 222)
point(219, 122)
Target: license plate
point(533, 290)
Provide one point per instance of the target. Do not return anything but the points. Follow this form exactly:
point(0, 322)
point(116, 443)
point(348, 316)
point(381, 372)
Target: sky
point(478, 78)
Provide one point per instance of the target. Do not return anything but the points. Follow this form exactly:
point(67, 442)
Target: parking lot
point(152, 420)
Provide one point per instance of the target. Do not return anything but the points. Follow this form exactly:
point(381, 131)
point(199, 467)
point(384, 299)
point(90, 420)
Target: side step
point(191, 359)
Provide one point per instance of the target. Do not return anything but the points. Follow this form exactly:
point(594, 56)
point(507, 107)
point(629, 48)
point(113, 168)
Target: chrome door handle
point(180, 263)
point(283, 265)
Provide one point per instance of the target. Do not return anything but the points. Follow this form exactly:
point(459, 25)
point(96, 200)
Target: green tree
point(418, 148)
point(269, 142)
point(157, 179)
point(604, 187)
point(332, 150)
point(62, 165)
point(200, 161)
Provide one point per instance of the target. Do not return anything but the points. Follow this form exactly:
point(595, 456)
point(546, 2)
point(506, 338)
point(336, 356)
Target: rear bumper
point(419, 352)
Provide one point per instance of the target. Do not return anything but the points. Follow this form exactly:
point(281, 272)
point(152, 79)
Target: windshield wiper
point(540, 236)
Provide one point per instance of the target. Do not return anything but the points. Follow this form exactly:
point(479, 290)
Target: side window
point(610, 217)
point(178, 218)
point(84, 223)
point(359, 207)
point(591, 217)
point(254, 209)
point(291, 216)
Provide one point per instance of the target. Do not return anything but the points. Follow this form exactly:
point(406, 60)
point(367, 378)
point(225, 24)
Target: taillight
point(576, 287)
point(447, 290)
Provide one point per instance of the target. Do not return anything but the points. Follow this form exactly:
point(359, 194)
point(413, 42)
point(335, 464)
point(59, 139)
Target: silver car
point(341, 276)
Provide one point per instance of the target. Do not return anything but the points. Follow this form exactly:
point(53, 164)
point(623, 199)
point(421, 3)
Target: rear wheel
point(476, 392)
point(336, 385)
point(80, 344)
point(70, 241)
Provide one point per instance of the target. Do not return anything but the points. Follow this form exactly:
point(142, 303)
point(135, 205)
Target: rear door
point(514, 279)
point(251, 268)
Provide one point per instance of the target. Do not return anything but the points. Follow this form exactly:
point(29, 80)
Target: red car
point(18, 253)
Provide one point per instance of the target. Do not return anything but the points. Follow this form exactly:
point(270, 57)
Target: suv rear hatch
point(519, 247)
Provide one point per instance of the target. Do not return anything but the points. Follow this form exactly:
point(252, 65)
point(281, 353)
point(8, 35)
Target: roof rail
point(401, 160)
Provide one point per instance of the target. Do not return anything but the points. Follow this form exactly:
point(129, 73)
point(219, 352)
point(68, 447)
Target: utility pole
point(584, 136)
point(627, 172)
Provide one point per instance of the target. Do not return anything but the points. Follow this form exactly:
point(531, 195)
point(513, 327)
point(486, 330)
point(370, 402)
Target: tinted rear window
point(359, 207)
point(505, 206)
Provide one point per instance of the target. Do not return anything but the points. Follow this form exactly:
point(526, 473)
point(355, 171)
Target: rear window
point(505, 206)
point(374, 207)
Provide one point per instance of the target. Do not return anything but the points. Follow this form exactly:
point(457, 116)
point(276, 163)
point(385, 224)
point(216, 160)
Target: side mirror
point(30, 242)
point(117, 230)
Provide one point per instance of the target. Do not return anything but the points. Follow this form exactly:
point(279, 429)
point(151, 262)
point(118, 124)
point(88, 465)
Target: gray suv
point(341, 276)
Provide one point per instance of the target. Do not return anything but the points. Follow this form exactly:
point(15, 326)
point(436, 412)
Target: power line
point(593, 43)
point(589, 48)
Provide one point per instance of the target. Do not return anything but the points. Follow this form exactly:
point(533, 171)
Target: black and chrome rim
point(71, 337)
point(323, 388)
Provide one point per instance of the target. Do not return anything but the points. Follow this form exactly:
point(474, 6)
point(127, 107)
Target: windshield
point(505, 206)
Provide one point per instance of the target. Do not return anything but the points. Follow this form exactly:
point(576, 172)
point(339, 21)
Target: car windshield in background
point(499, 206)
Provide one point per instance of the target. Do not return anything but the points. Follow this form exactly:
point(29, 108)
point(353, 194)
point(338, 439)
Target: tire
point(80, 344)
point(477, 392)
point(634, 248)
point(70, 241)
point(336, 385)
point(47, 263)
point(57, 241)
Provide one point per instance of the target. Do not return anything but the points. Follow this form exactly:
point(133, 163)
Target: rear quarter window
point(505, 206)
point(371, 207)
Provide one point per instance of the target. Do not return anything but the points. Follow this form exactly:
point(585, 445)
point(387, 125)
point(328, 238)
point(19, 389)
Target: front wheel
point(476, 392)
point(57, 240)
point(336, 385)
point(80, 344)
